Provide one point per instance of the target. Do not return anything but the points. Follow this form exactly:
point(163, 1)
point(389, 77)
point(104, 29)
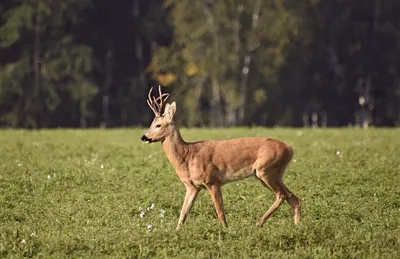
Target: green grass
point(73, 193)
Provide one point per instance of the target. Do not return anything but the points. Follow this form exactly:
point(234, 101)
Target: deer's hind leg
point(295, 203)
point(277, 187)
point(272, 178)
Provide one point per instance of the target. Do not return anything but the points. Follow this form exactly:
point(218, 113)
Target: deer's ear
point(169, 111)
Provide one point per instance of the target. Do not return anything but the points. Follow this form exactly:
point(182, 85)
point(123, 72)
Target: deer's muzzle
point(145, 139)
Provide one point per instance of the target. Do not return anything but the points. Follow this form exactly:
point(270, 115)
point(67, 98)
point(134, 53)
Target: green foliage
point(74, 193)
point(66, 68)
point(216, 37)
point(16, 19)
point(32, 88)
point(348, 42)
point(238, 62)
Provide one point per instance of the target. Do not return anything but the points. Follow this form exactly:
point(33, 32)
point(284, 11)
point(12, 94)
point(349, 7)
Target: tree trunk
point(216, 109)
point(108, 70)
point(82, 117)
point(243, 90)
point(364, 101)
point(377, 11)
point(36, 71)
point(397, 90)
point(141, 77)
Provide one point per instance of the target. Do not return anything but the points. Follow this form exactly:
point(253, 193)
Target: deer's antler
point(157, 104)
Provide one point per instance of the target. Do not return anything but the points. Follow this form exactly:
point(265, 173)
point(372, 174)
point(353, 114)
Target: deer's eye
point(158, 126)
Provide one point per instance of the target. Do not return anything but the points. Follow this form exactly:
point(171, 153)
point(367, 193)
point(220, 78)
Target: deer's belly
point(204, 179)
point(235, 175)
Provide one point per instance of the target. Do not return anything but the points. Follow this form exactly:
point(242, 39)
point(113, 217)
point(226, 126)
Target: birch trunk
point(243, 90)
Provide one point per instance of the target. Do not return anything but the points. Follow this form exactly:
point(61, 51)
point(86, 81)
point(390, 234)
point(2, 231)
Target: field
point(89, 194)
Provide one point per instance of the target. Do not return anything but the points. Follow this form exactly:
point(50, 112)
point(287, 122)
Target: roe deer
point(210, 164)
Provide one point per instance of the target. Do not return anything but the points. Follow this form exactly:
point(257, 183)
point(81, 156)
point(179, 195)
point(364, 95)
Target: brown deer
point(210, 164)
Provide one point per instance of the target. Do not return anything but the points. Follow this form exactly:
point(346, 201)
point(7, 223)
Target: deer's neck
point(175, 148)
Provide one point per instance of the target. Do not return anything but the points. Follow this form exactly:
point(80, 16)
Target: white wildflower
point(23, 241)
point(149, 226)
point(162, 213)
point(49, 177)
point(142, 213)
point(338, 153)
point(151, 206)
point(102, 166)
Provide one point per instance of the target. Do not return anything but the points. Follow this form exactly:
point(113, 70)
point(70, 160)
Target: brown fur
point(210, 164)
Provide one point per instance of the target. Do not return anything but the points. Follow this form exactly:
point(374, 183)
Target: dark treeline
point(86, 63)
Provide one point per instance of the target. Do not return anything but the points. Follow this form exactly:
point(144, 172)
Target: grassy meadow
point(105, 194)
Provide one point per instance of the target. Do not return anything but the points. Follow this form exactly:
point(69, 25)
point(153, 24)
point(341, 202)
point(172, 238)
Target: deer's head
point(162, 124)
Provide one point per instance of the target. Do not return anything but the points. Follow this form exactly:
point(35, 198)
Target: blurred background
point(309, 63)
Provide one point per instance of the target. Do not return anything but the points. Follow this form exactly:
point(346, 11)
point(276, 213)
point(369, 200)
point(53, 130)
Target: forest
point(90, 64)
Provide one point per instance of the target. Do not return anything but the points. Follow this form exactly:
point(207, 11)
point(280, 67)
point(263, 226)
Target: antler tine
point(157, 104)
point(151, 103)
point(149, 95)
point(159, 91)
point(166, 96)
point(152, 108)
point(162, 99)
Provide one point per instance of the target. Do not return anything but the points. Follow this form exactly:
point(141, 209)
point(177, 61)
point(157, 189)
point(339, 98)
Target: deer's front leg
point(216, 194)
point(190, 197)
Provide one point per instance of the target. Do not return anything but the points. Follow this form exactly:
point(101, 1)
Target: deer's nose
point(145, 139)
